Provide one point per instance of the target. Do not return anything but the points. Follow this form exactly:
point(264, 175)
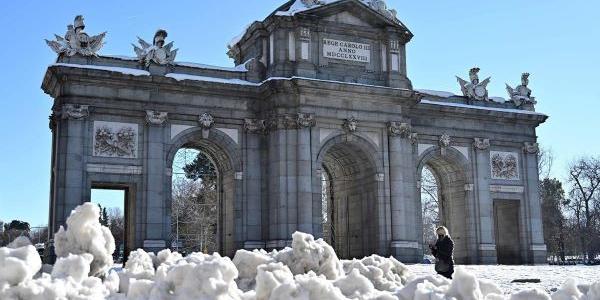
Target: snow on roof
point(507, 110)
point(238, 37)
point(180, 77)
point(122, 57)
point(498, 99)
point(238, 68)
point(128, 71)
point(441, 94)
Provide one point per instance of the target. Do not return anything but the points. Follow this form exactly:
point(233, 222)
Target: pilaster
point(158, 225)
point(405, 235)
point(484, 202)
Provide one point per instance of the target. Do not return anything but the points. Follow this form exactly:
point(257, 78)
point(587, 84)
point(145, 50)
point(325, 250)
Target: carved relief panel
point(113, 139)
point(505, 165)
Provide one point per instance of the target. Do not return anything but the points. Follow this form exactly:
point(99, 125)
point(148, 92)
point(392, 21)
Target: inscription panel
point(344, 50)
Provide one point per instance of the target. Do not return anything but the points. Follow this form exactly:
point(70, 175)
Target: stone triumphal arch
point(316, 129)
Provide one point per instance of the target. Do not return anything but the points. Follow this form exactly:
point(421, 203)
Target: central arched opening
point(196, 205)
point(202, 199)
point(348, 200)
point(443, 199)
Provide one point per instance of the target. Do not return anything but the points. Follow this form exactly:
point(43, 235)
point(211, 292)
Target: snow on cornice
point(127, 71)
point(498, 109)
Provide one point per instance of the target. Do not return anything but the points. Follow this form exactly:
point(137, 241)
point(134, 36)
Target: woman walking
point(443, 252)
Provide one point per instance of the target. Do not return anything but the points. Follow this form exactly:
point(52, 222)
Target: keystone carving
point(76, 41)
point(350, 124)
point(206, 123)
point(444, 140)
point(156, 117)
point(75, 111)
point(481, 144)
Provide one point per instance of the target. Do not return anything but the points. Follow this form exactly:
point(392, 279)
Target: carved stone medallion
point(531, 148)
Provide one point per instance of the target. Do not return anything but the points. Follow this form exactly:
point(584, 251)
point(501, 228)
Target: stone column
point(487, 243)
point(158, 225)
point(405, 238)
point(536, 248)
point(255, 130)
point(304, 173)
point(71, 184)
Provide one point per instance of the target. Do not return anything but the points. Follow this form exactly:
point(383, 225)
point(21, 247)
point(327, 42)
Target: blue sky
point(558, 42)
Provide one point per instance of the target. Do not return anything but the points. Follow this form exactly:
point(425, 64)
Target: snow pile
point(84, 234)
point(18, 264)
point(309, 269)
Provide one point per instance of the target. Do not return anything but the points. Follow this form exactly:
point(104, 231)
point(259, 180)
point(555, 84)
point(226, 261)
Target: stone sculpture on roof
point(380, 7)
point(158, 52)
point(309, 3)
point(76, 41)
point(521, 94)
point(474, 90)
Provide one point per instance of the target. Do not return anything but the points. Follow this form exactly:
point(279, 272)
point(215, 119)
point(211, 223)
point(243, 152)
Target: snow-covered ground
point(551, 277)
point(310, 269)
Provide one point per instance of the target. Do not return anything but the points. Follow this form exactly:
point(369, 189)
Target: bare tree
point(545, 162)
point(430, 204)
point(584, 180)
point(116, 224)
point(195, 206)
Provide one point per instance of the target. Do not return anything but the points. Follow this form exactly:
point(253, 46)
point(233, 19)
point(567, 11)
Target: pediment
point(346, 18)
point(353, 12)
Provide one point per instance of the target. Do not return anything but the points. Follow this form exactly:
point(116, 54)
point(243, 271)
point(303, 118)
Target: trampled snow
point(310, 269)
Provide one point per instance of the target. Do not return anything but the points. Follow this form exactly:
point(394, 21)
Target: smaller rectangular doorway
point(507, 231)
point(113, 202)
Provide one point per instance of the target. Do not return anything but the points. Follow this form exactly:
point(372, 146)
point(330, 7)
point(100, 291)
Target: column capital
point(400, 129)
point(255, 126)
point(154, 117)
point(481, 143)
point(75, 111)
point(290, 121)
point(305, 120)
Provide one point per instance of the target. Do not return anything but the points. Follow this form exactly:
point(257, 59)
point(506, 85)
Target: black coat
point(444, 250)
